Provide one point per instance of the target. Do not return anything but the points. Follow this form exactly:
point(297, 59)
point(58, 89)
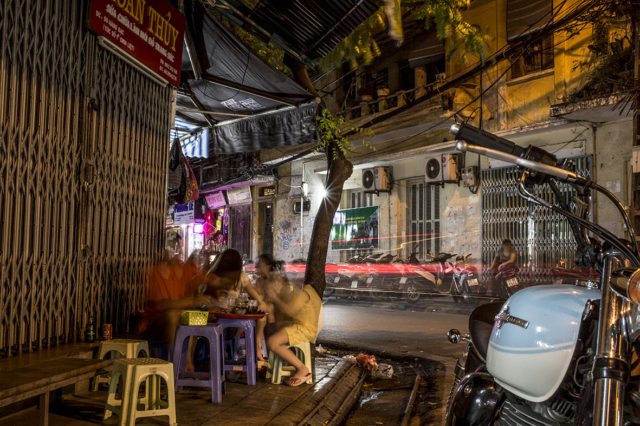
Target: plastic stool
point(215, 376)
point(128, 348)
point(277, 370)
point(133, 372)
point(250, 365)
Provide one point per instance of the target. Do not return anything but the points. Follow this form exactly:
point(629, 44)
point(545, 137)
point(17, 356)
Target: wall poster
point(355, 229)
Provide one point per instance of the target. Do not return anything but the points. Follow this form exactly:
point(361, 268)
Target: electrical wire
point(540, 34)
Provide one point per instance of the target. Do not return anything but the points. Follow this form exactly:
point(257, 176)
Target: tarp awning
point(194, 138)
point(234, 80)
point(283, 128)
point(247, 104)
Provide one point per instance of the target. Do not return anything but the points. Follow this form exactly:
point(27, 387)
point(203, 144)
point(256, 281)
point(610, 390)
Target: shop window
point(425, 218)
point(538, 56)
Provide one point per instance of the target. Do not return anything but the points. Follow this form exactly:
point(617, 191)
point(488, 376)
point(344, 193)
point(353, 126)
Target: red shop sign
point(149, 30)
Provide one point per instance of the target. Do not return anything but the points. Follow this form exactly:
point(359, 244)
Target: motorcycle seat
point(481, 324)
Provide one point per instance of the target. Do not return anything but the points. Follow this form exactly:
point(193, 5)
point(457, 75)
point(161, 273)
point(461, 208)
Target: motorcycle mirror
point(455, 337)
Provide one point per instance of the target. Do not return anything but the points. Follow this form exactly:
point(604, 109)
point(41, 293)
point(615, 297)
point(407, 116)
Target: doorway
point(240, 229)
point(267, 228)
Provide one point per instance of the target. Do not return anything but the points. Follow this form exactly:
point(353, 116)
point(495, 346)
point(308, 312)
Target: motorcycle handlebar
point(556, 172)
point(485, 139)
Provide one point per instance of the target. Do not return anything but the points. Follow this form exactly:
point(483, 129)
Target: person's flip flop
point(297, 381)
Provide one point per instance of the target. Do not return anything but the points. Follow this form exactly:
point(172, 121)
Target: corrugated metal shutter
point(540, 236)
point(525, 16)
point(83, 138)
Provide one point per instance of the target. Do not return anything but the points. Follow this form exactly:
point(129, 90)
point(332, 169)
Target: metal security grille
point(425, 217)
point(83, 152)
point(540, 236)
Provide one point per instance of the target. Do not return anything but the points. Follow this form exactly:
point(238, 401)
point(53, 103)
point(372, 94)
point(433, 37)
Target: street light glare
point(322, 192)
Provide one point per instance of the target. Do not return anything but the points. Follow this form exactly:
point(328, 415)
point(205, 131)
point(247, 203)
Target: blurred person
point(304, 308)
point(506, 255)
point(226, 280)
point(268, 275)
point(171, 288)
point(504, 258)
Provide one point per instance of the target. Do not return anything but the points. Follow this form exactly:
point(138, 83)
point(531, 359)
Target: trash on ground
point(385, 371)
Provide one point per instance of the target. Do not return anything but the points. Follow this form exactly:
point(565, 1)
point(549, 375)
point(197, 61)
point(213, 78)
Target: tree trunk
point(339, 170)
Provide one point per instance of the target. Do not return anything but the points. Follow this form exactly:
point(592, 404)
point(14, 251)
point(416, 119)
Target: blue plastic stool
point(215, 376)
point(250, 366)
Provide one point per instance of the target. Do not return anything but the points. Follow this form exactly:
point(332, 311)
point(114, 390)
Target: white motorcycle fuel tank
point(534, 337)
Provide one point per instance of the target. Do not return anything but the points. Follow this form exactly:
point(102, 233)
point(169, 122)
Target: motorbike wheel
point(467, 295)
point(505, 292)
point(374, 291)
point(456, 295)
point(411, 293)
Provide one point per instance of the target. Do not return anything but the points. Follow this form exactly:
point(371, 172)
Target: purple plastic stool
point(250, 366)
point(215, 376)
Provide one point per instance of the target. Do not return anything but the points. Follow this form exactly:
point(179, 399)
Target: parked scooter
point(506, 281)
point(465, 281)
point(554, 354)
point(418, 277)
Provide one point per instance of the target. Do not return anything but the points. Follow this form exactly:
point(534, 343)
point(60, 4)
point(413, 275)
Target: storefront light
point(198, 228)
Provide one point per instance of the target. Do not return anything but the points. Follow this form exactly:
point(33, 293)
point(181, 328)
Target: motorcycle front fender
point(475, 402)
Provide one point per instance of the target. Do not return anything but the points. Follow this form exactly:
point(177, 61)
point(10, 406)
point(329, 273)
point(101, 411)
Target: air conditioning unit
point(376, 179)
point(442, 168)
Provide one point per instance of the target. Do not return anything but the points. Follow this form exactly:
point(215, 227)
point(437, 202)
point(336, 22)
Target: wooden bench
point(40, 378)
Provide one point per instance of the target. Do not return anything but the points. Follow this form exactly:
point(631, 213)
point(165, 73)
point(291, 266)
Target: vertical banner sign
point(151, 31)
point(355, 229)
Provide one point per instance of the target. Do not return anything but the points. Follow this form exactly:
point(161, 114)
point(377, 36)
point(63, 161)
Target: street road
point(404, 332)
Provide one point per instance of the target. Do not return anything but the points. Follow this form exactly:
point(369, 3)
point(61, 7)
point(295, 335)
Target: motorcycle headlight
point(626, 282)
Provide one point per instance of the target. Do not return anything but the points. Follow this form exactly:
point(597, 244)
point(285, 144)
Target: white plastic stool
point(133, 372)
point(128, 348)
point(277, 370)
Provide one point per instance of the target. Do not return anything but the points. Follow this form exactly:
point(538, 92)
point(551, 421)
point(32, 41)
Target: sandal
point(297, 381)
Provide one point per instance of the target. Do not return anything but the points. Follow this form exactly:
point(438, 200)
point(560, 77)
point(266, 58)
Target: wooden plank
point(40, 376)
point(43, 407)
point(75, 350)
point(51, 387)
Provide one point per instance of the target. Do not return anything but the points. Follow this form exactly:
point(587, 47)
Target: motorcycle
point(554, 354)
point(378, 280)
point(465, 280)
point(417, 278)
point(506, 280)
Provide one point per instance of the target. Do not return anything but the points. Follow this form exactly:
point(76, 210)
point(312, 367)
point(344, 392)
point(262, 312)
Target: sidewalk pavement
point(337, 387)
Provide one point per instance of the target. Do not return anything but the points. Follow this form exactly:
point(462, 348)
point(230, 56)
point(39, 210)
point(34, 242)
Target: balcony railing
point(383, 103)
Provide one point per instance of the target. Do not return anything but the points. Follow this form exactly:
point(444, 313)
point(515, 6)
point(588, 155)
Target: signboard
point(355, 229)
point(239, 196)
point(267, 191)
point(184, 214)
point(151, 31)
point(215, 200)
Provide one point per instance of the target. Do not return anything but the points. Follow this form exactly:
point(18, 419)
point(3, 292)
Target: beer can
point(107, 332)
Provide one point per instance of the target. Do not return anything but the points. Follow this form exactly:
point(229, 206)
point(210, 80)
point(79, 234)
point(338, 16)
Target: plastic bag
point(385, 371)
point(350, 358)
point(320, 350)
